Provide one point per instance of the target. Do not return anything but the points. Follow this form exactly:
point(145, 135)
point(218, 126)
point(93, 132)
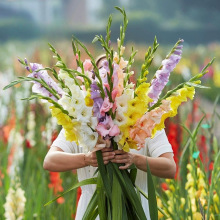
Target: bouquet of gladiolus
point(94, 104)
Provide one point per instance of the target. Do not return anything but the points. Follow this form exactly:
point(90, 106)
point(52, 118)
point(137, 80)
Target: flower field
point(27, 130)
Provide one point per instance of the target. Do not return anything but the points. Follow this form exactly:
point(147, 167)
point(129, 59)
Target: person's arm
point(57, 160)
point(163, 166)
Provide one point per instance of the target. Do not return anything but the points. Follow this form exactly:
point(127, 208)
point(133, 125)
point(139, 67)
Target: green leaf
point(195, 132)
point(133, 174)
point(101, 198)
point(146, 196)
point(210, 198)
point(96, 38)
point(116, 199)
point(14, 83)
point(103, 173)
point(129, 190)
point(119, 9)
point(82, 183)
point(91, 208)
point(152, 201)
point(196, 85)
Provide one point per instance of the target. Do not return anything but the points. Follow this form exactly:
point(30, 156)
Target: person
point(64, 156)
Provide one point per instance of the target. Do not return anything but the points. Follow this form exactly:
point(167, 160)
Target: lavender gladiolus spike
point(96, 96)
point(162, 75)
point(25, 60)
point(28, 68)
point(42, 74)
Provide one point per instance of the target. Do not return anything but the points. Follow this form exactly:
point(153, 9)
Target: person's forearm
point(60, 161)
point(160, 166)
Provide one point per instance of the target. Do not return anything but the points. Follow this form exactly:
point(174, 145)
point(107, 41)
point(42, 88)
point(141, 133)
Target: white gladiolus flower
point(15, 141)
point(88, 141)
point(63, 75)
point(78, 102)
point(84, 114)
point(30, 127)
point(120, 119)
point(117, 139)
point(93, 122)
point(15, 204)
point(122, 102)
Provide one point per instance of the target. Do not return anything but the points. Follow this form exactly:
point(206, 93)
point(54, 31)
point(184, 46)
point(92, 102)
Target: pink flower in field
point(87, 65)
point(107, 127)
point(106, 106)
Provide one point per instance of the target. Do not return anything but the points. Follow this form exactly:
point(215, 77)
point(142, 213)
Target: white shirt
point(154, 148)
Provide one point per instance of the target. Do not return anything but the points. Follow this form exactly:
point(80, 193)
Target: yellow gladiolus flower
point(88, 100)
point(66, 122)
point(197, 216)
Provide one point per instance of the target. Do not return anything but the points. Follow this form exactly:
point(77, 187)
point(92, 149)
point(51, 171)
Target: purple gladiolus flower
point(162, 75)
point(25, 60)
point(42, 74)
point(97, 99)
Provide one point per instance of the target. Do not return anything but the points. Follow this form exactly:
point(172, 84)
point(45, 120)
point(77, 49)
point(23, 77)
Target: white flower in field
point(120, 119)
point(15, 204)
point(16, 142)
point(31, 128)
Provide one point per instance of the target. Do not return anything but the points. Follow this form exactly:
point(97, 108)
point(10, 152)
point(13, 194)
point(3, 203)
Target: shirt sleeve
point(159, 144)
point(62, 143)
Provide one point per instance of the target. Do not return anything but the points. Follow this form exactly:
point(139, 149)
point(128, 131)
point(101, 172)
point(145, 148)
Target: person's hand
point(123, 157)
point(107, 154)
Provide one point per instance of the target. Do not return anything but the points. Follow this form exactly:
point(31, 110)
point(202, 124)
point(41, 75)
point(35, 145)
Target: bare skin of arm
point(57, 161)
point(163, 166)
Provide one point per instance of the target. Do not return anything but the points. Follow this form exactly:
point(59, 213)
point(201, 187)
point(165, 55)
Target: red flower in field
point(164, 186)
point(174, 135)
point(7, 128)
point(211, 166)
point(28, 144)
point(56, 185)
point(1, 177)
point(54, 136)
point(79, 192)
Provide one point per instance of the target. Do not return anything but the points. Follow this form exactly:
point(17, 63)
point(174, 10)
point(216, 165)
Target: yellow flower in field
point(216, 78)
point(197, 216)
point(88, 100)
point(216, 203)
point(159, 204)
point(189, 167)
point(183, 202)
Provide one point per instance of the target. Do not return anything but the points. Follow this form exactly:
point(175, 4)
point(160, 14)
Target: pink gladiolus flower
point(106, 106)
point(107, 127)
point(77, 56)
point(87, 65)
